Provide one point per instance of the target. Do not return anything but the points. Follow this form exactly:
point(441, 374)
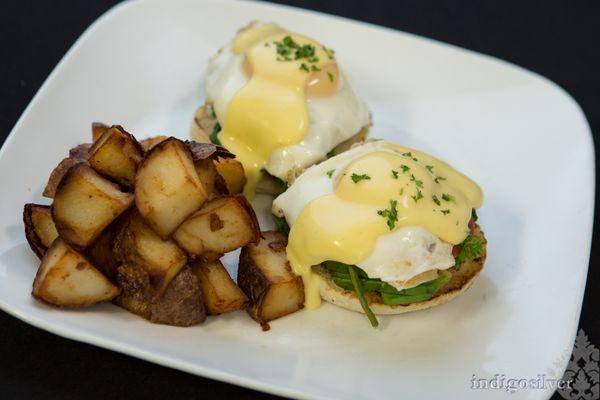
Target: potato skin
point(33, 237)
point(253, 284)
point(78, 154)
point(137, 244)
point(180, 305)
point(264, 284)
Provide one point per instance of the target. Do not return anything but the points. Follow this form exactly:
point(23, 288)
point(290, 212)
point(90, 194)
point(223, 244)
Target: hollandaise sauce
point(270, 111)
point(376, 193)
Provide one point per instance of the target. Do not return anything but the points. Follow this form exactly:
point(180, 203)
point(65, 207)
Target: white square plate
point(520, 136)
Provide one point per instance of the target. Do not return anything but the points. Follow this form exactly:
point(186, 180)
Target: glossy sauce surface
point(270, 111)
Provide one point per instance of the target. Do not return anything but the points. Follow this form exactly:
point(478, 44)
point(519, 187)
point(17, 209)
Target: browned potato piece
point(39, 228)
point(233, 172)
point(77, 154)
point(101, 253)
point(137, 244)
point(167, 187)
point(222, 225)
point(149, 143)
point(85, 204)
point(116, 155)
point(180, 305)
point(219, 292)
point(66, 279)
point(266, 277)
point(212, 181)
point(98, 128)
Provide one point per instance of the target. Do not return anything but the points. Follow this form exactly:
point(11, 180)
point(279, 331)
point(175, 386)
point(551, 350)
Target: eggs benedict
point(382, 229)
point(280, 102)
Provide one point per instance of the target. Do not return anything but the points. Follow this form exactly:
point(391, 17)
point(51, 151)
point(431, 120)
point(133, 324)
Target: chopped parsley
point(429, 168)
point(330, 173)
point(391, 214)
point(357, 178)
point(289, 50)
point(445, 212)
point(417, 182)
point(436, 200)
point(405, 168)
point(394, 174)
point(470, 248)
point(448, 197)
point(409, 154)
point(474, 216)
point(418, 196)
point(330, 52)
point(439, 178)
point(401, 191)
point(330, 76)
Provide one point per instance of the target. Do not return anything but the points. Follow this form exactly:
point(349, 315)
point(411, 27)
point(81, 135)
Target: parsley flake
point(330, 76)
point(445, 212)
point(418, 196)
point(394, 174)
point(448, 197)
point(357, 178)
point(391, 214)
point(417, 182)
point(330, 53)
point(429, 168)
point(330, 173)
point(409, 154)
point(436, 200)
point(439, 178)
point(405, 168)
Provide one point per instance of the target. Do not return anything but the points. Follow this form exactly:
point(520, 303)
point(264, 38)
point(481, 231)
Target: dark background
point(556, 39)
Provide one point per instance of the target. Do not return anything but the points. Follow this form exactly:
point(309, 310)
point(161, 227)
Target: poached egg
point(393, 211)
point(281, 100)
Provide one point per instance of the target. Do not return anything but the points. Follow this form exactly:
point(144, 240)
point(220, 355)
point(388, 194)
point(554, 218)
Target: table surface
point(555, 40)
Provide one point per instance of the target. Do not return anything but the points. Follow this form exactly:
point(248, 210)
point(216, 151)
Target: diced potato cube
point(66, 279)
point(266, 277)
point(138, 244)
point(233, 172)
point(167, 187)
point(222, 225)
point(219, 291)
point(85, 203)
point(116, 155)
point(212, 181)
point(180, 304)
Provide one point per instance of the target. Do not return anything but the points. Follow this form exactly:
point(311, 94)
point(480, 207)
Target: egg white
point(398, 255)
point(332, 119)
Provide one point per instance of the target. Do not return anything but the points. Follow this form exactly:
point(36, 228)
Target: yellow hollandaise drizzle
point(376, 193)
point(270, 111)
